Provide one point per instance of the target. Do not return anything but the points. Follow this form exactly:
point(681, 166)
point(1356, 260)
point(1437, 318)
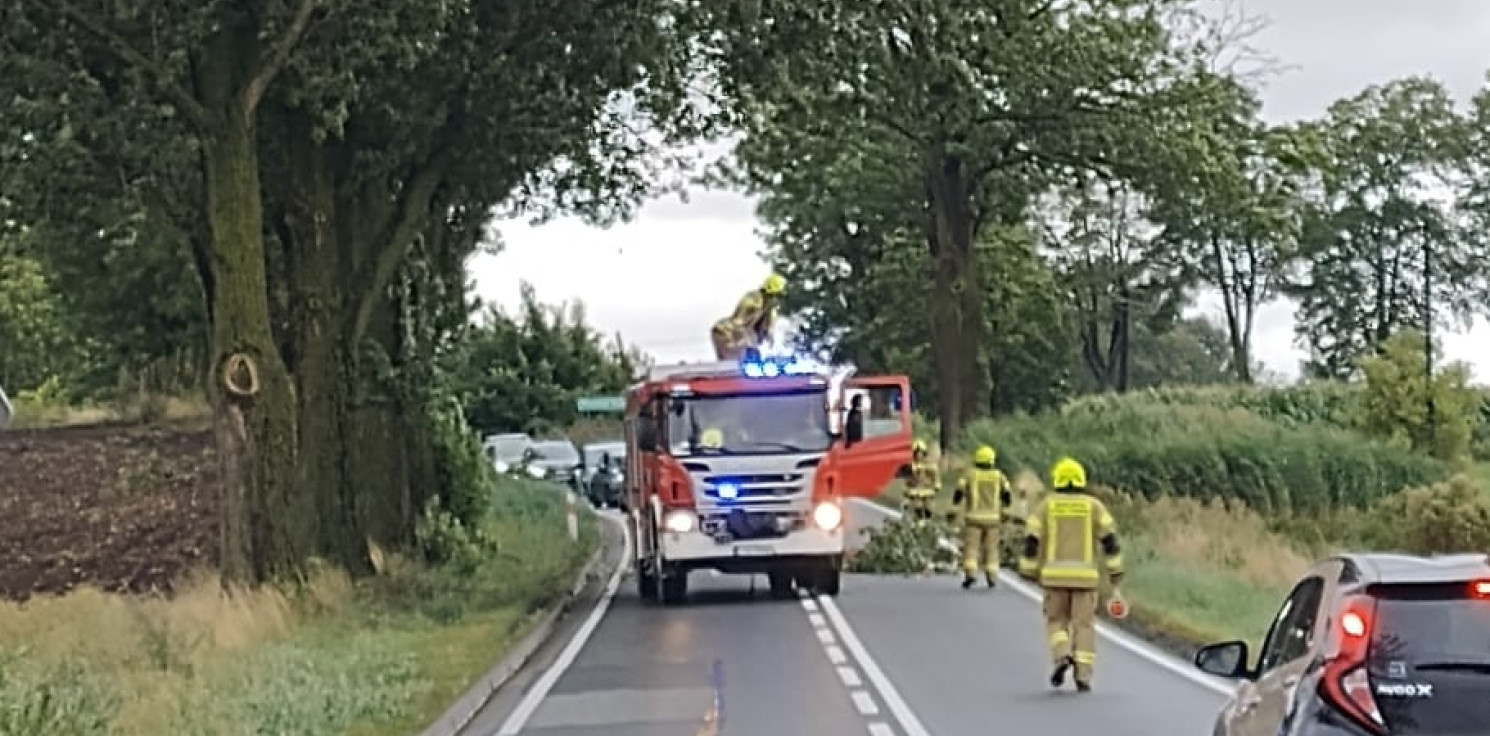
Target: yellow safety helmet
point(984, 456)
point(918, 446)
point(1067, 473)
point(775, 285)
point(711, 439)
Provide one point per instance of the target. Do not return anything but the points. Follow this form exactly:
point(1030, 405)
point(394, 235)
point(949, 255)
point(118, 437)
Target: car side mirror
point(1227, 659)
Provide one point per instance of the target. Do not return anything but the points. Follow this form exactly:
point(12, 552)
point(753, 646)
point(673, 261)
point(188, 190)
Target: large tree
point(1384, 243)
point(951, 113)
point(380, 130)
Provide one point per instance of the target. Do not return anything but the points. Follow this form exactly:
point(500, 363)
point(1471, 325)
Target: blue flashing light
point(774, 367)
point(728, 491)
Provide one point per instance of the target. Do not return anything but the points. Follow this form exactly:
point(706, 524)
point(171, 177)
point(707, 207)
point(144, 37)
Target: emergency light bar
point(774, 367)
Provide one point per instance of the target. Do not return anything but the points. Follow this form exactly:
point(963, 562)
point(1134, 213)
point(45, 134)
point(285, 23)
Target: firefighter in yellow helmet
point(983, 492)
point(751, 322)
point(923, 483)
point(1062, 536)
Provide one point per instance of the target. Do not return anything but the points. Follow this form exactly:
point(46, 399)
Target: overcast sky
point(664, 278)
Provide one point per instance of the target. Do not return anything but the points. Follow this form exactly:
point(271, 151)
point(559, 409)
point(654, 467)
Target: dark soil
point(122, 508)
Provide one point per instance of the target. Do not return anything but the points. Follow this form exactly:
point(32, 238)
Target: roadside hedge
point(1154, 443)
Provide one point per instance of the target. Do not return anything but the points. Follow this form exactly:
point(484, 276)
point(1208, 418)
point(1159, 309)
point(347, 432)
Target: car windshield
point(555, 452)
point(750, 424)
point(1430, 659)
point(593, 453)
point(508, 448)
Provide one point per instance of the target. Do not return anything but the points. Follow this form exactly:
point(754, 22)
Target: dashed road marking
point(850, 677)
point(863, 701)
point(909, 723)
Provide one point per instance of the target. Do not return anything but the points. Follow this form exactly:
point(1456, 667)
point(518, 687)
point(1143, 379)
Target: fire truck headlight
point(828, 516)
point(679, 522)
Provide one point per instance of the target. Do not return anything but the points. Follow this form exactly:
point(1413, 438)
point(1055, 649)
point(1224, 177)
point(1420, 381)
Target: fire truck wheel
point(826, 579)
point(781, 585)
point(646, 584)
point(675, 588)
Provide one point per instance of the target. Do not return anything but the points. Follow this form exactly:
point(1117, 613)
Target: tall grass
point(327, 656)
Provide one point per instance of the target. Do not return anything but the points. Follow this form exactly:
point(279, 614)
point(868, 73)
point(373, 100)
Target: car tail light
point(1479, 589)
point(1345, 683)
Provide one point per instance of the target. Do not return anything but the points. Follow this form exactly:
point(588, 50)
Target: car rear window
point(1430, 659)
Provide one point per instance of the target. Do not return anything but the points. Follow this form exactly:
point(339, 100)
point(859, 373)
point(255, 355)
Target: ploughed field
point(122, 508)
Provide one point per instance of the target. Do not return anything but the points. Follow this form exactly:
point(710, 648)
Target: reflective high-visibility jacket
point(925, 477)
point(983, 493)
point(1063, 533)
point(751, 317)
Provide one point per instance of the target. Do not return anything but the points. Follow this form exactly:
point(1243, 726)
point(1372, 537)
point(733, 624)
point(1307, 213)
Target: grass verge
point(327, 657)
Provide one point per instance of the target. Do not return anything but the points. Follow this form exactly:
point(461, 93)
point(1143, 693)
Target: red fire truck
point(745, 467)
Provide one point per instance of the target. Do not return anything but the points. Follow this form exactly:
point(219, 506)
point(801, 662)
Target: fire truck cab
point(745, 468)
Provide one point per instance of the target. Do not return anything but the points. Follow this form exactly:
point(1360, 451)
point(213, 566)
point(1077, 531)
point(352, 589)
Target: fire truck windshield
point(749, 424)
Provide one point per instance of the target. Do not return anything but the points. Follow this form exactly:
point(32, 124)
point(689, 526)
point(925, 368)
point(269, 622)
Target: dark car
point(557, 461)
point(605, 473)
point(1368, 645)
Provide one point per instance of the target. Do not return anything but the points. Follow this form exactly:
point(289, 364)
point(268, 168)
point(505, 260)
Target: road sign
point(600, 404)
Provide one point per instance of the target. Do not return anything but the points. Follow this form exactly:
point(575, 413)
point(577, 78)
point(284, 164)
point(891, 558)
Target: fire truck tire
point(826, 579)
point(646, 583)
point(781, 585)
point(675, 588)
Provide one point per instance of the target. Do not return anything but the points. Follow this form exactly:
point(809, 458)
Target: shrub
point(1155, 446)
point(1329, 403)
point(1398, 392)
point(1453, 516)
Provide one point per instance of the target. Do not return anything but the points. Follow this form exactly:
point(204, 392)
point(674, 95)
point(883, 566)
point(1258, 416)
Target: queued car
point(1367, 645)
point(605, 473)
point(507, 452)
point(557, 461)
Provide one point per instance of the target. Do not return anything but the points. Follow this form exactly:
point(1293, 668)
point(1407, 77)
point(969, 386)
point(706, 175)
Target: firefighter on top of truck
point(923, 483)
point(1060, 535)
point(983, 492)
point(750, 324)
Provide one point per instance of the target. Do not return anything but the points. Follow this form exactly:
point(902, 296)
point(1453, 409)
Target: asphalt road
point(889, 656)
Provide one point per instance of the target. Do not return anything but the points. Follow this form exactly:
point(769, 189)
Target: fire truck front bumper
point(694, 548)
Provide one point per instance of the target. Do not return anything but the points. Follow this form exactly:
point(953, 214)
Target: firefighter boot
point(967, 581)
point(1058, 677)
point(1083, 687)
point(993, 580)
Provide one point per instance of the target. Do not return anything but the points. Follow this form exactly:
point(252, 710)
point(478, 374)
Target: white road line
point(1116, 636)
point(865, 703)
point(825, 636)
point(880, 729)
point(817, 620)
point(836, 655)
point(809, 604)
point(902, 712)
point(850, 677)
point(540, 690)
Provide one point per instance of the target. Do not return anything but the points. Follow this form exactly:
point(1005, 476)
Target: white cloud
point(662, 279)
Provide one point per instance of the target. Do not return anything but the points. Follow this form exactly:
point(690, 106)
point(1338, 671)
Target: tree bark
point(957, 305)
point(267, 527)
point(325, 362)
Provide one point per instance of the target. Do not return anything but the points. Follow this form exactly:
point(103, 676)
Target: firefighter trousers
point(1071, 627)
point(980, 545)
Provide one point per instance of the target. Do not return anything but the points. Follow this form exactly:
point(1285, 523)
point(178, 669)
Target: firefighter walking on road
point(1062, 533)
point(923, 485)
point(983, 492)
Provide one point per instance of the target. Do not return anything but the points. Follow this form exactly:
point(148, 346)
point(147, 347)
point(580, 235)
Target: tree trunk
point(267, 527)
point(957, 303)
point(325, 362)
